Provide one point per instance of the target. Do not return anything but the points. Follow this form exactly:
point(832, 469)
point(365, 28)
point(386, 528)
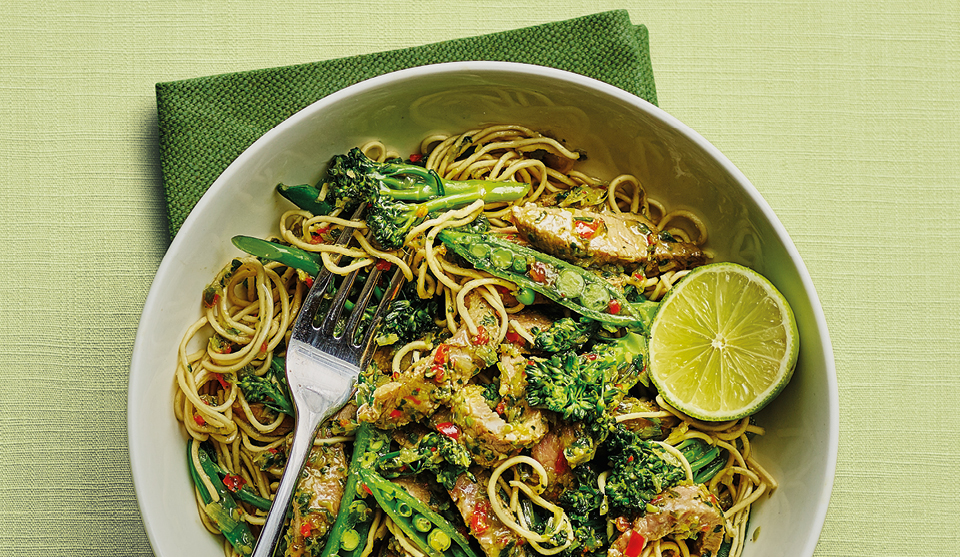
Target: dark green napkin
point(206, 122)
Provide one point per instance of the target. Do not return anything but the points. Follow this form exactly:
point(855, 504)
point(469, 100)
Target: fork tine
point(305, 324)
point(392, 290)
point(329, 321)
point(364, 299)
point(349, 331)
point(322, 372)
point(311, 304)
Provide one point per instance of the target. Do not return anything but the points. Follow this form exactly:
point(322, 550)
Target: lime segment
point(723, 344)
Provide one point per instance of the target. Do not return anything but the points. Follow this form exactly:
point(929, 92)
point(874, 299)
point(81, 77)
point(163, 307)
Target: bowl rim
point(226, 177)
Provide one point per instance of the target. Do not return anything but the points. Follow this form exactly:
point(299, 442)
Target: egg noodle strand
point(250, 306)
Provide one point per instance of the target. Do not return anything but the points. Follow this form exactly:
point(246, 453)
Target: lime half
point(723, 343)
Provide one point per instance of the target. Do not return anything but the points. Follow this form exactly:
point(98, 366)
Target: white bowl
point(619, 131)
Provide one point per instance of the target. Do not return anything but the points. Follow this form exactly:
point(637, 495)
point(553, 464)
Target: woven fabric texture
point(206, 122)
point(842, 114)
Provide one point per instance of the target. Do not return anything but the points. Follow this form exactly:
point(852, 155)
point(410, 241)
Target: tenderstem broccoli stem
point(406, 191)
point(306, 197)
point(470, 191)
point(400, 177)
point(405, 182)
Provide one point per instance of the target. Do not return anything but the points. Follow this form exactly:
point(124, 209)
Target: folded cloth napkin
point(206, 122)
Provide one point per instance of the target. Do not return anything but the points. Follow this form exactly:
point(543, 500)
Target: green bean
point(247, 495)
point(409, 513)
point(244, 493)
point(225, 512)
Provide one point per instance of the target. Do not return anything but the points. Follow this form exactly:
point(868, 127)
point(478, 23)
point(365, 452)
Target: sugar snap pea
point(224, 511)
point(349, 531)
point(431, 533)
point(583, 291)
point(306, 197)
point(290, 256)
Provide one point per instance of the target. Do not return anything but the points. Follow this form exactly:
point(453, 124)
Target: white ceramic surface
point(620, 133)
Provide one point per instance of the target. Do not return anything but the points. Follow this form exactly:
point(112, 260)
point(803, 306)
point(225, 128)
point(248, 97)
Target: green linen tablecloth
point(206, 122)
point(843, 114)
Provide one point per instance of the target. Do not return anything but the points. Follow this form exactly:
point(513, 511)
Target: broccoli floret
point(638, 471)
point(270, 389)
point(434, 453)
point(391, 220)
point(491, 393)
point(575, 387)
point(582, 388)
point(408, 318)
point(353, 178)
point(590, 538)
point(582, 503)
point(569, 385)
point(584, 497)
point(401, 194)
point(565, 334)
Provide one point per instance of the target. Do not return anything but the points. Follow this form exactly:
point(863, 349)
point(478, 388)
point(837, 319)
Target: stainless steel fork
point(322, 371)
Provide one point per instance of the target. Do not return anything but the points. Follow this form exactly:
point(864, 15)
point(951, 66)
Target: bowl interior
point(620, 134)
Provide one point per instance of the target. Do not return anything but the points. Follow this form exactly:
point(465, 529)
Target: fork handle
point(308, 422)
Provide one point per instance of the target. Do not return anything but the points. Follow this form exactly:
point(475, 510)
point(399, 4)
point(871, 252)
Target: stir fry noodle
point(506, 411)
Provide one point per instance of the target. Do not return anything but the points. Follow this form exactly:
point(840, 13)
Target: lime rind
point(724, 343)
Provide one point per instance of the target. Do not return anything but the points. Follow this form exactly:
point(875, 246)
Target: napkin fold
point(206, 122)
